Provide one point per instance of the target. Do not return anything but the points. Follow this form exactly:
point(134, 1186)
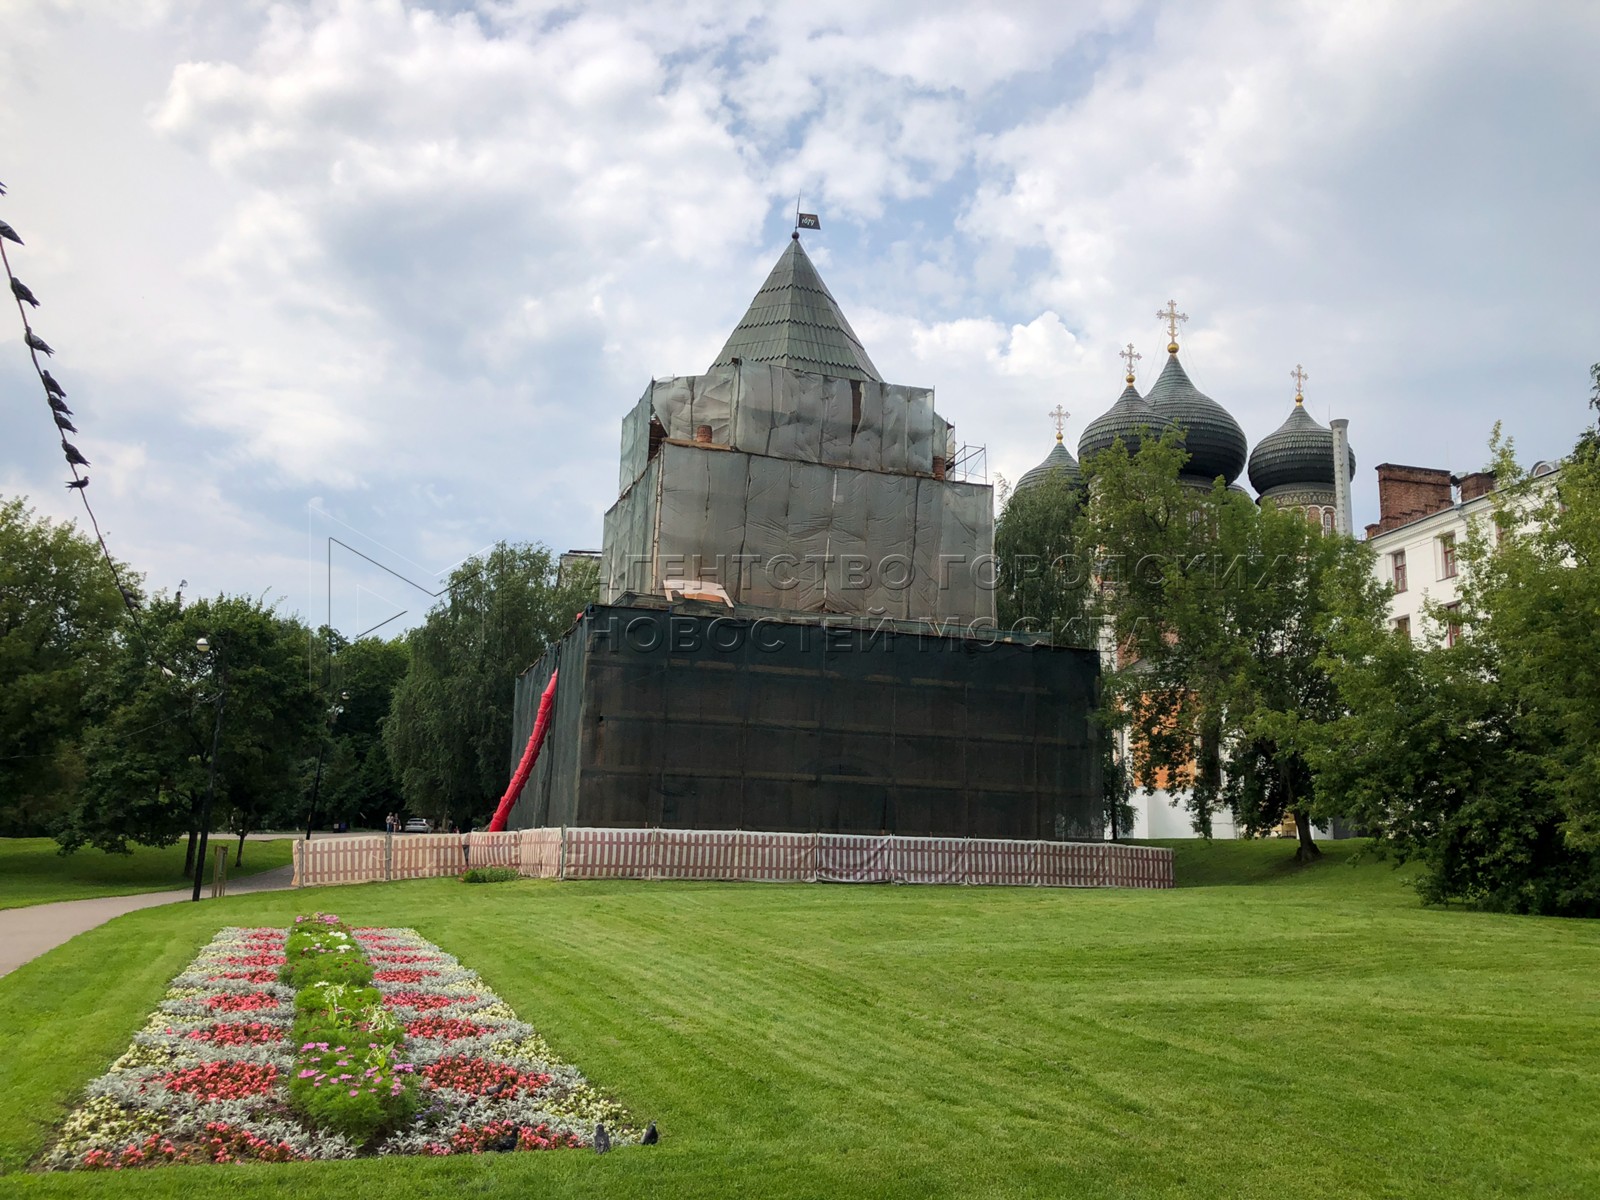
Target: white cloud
point(419, 261)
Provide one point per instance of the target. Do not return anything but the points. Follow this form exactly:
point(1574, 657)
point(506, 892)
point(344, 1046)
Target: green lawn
point(33, 872)
point(1311, 1033)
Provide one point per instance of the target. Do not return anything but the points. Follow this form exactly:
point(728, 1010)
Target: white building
point(1425, 516)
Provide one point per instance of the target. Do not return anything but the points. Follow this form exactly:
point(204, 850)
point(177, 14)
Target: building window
point(1397, 562)
point(1403, 625)
point(1327, 520)
point(1447, 556)
point(1452, 624)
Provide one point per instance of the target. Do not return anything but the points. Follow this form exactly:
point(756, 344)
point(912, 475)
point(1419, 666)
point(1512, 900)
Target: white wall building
point(1425, 517)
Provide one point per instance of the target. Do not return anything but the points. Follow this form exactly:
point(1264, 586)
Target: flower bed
point(327, 1058)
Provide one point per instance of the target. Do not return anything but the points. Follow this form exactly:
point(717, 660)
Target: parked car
point(417, 825)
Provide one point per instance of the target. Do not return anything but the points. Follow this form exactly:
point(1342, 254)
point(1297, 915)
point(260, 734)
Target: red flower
point(423, 1000)
point(447, 1028)
point(223, 1080)
point(478, 1075)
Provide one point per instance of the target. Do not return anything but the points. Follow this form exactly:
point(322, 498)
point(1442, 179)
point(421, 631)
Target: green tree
point(448, 733)
point(1218, 612)
point(149, 755)
point(1479, 760)
point(1042, 580)
point(60, 614)
point(360, 678)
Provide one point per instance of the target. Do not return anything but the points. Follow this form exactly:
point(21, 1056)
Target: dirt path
point(26, 933)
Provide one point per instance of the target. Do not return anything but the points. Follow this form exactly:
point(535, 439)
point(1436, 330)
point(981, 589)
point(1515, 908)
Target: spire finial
point(1129, 356)
point(1172, 316)
point(1059, 415)
point(1299, 376)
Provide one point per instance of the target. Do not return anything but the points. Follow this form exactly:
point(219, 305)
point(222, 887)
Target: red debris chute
point(519, 778)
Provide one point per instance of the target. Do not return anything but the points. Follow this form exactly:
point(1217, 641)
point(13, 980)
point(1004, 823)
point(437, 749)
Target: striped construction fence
point(735, 855)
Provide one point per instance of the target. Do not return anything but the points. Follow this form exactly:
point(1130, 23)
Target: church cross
point(1060, 416)
point(1172, 316)
point(1299, 376)
point(1129, 356)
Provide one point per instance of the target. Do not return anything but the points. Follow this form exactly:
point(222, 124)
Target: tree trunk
point(188, 858)
point(238, 858)
point(1308, 850)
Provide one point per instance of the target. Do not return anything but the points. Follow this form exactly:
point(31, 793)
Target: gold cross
point(1129, 356)
point(1060, 414)
point(1299, 376)
point(1172, 316)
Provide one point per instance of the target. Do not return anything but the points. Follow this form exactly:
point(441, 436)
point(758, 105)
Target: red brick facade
point(1406, 494)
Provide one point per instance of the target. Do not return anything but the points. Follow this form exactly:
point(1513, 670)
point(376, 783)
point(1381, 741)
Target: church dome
point(1215, 443)
point(1059, 459)
point(1298, 455)
point(1128, 414)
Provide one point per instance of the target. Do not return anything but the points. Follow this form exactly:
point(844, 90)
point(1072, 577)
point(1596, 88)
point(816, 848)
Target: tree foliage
point(1042, 579)
point(149, 754)
point(1480, 760)
point(449, 731)
point(1218, 612)
point(60, 614)
point(358, 684)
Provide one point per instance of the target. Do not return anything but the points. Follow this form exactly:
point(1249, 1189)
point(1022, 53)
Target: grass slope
point(33, 872)
point(1311, 1033)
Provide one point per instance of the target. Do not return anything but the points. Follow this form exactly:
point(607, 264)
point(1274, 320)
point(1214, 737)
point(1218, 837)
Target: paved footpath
point(26, 933)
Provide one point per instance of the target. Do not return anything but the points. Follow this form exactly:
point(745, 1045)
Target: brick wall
point(1408, 493)
point(1477, 484)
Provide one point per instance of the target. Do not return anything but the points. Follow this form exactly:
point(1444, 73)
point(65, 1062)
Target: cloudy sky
point(392, 272)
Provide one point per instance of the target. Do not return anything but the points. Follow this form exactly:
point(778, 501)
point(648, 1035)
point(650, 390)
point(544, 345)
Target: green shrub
point(489, 875)
point(356, 1090)
point(323, 949)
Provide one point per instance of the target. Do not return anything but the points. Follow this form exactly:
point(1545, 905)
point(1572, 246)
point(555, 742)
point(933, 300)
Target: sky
point(367, 277)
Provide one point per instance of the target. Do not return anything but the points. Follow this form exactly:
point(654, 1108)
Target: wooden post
point(219, 873)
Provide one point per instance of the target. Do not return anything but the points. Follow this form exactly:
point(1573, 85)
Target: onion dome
point(1215, 443)
point(1059, 459)
point(1122, 420)
point(1297, 456)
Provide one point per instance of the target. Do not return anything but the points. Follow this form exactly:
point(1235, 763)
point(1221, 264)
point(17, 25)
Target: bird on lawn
point(602, 1139)
point(73, 457)
point(651, 1137)
point(63, 424)
point(23, 292)
point(80, 484)
point(51, 386)
point(9, 233)
point(38, 343)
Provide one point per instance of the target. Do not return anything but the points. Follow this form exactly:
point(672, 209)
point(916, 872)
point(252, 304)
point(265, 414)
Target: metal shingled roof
point(795, 322)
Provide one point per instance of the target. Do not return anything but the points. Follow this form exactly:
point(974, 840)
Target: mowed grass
point(1312, 1033)
point(33, 871)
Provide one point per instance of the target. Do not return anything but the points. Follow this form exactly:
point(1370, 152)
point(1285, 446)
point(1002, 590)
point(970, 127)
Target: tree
point(149, 756)
point(1479, 760)
point(360, 678)
point(1042, 581)
point(60, 616)
point(448, 733)
point(1218, 610)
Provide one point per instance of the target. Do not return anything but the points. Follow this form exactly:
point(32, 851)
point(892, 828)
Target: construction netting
point(673, 718)
point(804, 536)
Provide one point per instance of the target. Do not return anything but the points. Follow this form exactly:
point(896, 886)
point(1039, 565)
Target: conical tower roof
point(795, 322)
point(1128, 414)
point(1059, 459)
point(1298, 455)
point(1215, 443)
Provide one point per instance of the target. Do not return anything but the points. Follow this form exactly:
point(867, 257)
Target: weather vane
point(1299, 376)
point(1060, 416)
point(1129, 356)
point(1172, 316)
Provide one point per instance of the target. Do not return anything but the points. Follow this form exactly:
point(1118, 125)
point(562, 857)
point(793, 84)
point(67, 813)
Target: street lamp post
point(211, 775)
point(322, 745)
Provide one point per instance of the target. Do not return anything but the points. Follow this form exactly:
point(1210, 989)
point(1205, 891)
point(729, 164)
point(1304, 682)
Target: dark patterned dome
point(1298, 454)
point(1128, 414)
point(1059, 459)
point(1215, 443)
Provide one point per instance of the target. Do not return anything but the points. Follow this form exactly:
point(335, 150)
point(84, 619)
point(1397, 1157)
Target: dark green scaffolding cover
point(695, 720)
